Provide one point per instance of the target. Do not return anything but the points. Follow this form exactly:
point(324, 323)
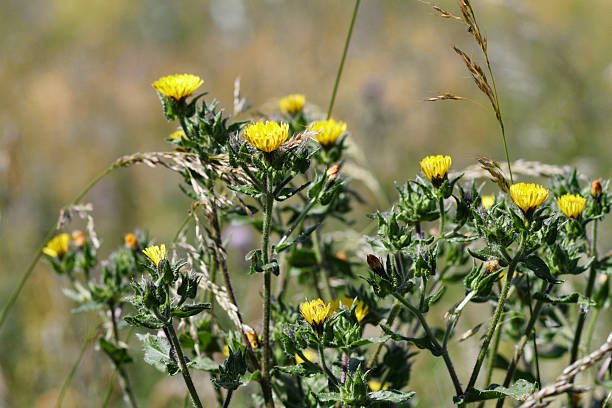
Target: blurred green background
point(76, 94)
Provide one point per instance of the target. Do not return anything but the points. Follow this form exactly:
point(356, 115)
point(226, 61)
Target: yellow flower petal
point(178, 86)
point(292, 104)
point(436, 168)
point(267, 136)
point(156, 253)
point(58, 246)
point(528, 197)
point(310, 355)
point(361, 309)
point(571, 205)
point(315, 312)
point(328, 131)
point(487, 201)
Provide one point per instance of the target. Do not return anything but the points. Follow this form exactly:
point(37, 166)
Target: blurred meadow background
point(76, 94)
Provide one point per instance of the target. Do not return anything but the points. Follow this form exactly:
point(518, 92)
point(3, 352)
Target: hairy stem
point(326, 370)
point(344, 52)
point(269, 203)
point(449, 364)
point(496, 317)
point(125, 380)
point(173, 339)
point(392, 315)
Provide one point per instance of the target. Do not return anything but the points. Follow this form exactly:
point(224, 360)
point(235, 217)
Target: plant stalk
point(125, 380)
point(266, 383)
point(173, 339)
point(344, 52)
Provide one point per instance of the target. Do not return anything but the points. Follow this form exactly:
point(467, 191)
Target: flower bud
point(492, 266)
point(376, 266)
point(131, 241)
point(596, 189)
point(79, 238)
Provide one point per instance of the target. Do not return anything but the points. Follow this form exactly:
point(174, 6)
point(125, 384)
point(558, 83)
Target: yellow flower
point(292, 104)
point(528, 197)
point(226, 351)
point(487, 201)
point(268, 136)
point(436, 168)
point(178, 86)
point(571, 205)
point(79, 238)
point(329, 131)
point(131, 241)
point(177, 135)
point(58, 246)
point(156, 253)
point(315, 312)
point(310, 355)
point(376, 386)
point(253, 339)
point(361, 309)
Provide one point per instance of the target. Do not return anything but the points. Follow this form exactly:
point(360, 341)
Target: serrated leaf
point(157, 353)
point(575, 297)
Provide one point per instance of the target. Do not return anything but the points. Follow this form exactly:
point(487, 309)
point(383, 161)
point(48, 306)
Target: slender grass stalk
point(125, 380)
point(15, 294)
point(492, 355)
point(109, 390)
point(90, 337)
point(265, 241)
point(344, 52)
point(173, 339)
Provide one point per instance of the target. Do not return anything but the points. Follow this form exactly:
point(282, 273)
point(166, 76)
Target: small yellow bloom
point(571, 205)
point(226, 351)
point(131, 241)
point(79, 238)
point(361, 309)
point(268, 136)
point(436, 168)
point(58, 246)
point(310, 355)
point(177, 135)
point(487, 201)
point(292, 104)
point(528, 197)
point(376, 386)
point(329, 131)
point(253, 339)
point(156, 253)
point(178, 86)
point(315, 312)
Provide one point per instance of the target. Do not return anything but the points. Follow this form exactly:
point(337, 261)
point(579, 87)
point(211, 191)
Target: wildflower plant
point(343, 320)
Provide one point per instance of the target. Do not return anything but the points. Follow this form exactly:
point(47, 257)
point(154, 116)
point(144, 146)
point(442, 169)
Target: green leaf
point(369, 340)
point(420, 342)
point(575, 297)
point(142, 320)
point(119, 355)
point(518, 391)
point(392, 396)
point(190, 310)
point(302, 258)
point(539, 267)
point(329, 396)
point(204, 363)
point(302, 370)
point(157, 353)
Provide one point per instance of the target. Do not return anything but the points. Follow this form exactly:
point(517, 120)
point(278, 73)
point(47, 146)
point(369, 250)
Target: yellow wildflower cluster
point(156, 253)
point(315, 312)
point(328, 131)
point(571, 205)
point(292, 104)
point(178, 86)
point(267, 136)
point(58, 246)
point(436, 168)
point(361, 309)
point(528, 197)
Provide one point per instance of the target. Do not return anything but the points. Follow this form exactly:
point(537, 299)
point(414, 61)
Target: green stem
point(496, 317)
point(327, 371)
point(178, 232)
point(492, 355)
point(344, 52)
point(319, 256)
point(109, 390)
point(449, 364)
point(90, 337)
point(173, 339)
point(125, 380)
point(13, 297)
point(582, 314)
point(591, 329)
point(228, 398)
point(269, 203)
